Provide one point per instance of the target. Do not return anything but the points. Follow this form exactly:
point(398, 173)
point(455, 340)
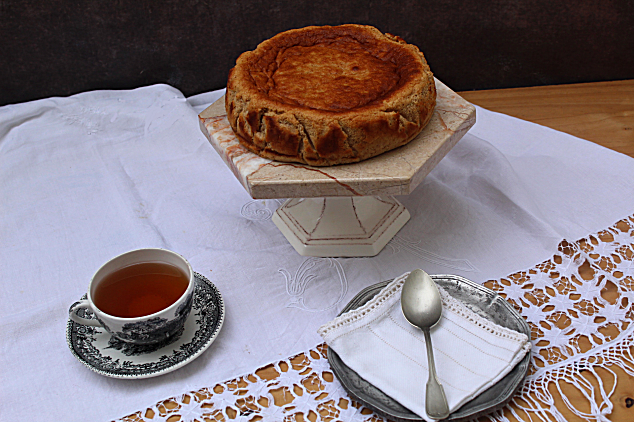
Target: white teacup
point(123, 288)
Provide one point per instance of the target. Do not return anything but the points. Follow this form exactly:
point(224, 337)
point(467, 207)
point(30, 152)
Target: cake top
point(329, 95)
point(330, 68)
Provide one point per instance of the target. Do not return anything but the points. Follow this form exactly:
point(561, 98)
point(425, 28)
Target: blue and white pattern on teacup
point(260, 209)
point(304, 287)
point(96, 349)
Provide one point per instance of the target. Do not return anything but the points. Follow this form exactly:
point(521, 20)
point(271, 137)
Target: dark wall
point(53, 48)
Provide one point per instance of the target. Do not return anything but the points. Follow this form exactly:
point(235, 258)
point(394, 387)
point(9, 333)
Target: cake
point(327, 95)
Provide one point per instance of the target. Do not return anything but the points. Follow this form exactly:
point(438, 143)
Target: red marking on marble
point(465, 114)
point(442, 122)
point(318, 171)
point(235, 150)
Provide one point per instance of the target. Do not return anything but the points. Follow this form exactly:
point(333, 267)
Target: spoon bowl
point(420, 300)
point(422, 307)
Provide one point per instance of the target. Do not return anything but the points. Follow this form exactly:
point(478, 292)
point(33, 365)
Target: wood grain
point(601, 112)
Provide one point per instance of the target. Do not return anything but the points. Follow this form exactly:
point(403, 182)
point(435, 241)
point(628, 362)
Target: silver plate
point(479, 299)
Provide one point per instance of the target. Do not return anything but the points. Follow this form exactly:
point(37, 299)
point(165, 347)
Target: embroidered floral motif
point(398, 244)
point(260, 209)
point(89, 118)
point(314, 271)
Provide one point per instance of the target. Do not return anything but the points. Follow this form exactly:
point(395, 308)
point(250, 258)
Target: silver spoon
point(422, 307)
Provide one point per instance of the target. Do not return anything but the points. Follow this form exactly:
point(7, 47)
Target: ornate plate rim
point(151, 373)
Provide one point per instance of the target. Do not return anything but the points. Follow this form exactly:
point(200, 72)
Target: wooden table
point(600, 112)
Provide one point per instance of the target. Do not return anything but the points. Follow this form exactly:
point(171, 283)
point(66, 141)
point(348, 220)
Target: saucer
point(479, 299)
point(108, 356)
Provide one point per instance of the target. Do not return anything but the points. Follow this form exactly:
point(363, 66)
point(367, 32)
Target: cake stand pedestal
point(340, 226)
point(346, 210)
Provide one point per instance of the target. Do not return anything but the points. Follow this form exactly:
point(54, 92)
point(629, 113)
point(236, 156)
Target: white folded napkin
point(377, 342)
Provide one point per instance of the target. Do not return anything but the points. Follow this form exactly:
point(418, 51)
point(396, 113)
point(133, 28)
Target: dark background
point(59, 48)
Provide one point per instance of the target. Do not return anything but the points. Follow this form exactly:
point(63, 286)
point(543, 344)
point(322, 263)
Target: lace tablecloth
point(88, 177)
point(579, 307)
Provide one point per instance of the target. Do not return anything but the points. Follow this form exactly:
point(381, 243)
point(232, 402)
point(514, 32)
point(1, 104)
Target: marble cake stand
point(345, 210)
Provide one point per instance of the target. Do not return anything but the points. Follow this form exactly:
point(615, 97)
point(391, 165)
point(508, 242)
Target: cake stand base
point(340, 226)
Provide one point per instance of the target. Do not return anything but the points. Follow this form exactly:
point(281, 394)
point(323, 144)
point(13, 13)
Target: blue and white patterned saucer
point(110, 357)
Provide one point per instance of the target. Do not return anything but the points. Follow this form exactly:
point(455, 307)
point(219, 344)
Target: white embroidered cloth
point(470, 352)
point(88, 177)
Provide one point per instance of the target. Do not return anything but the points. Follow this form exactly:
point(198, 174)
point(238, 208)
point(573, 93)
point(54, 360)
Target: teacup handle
point(81, 320)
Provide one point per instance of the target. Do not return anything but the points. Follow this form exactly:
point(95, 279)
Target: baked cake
point(326, 95)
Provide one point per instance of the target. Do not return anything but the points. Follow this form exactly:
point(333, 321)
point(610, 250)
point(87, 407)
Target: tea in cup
point(140, 297)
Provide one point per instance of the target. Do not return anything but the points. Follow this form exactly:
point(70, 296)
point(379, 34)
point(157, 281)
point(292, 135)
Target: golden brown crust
point(329, 95)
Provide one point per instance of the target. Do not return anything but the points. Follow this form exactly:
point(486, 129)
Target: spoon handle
point(435, 400)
